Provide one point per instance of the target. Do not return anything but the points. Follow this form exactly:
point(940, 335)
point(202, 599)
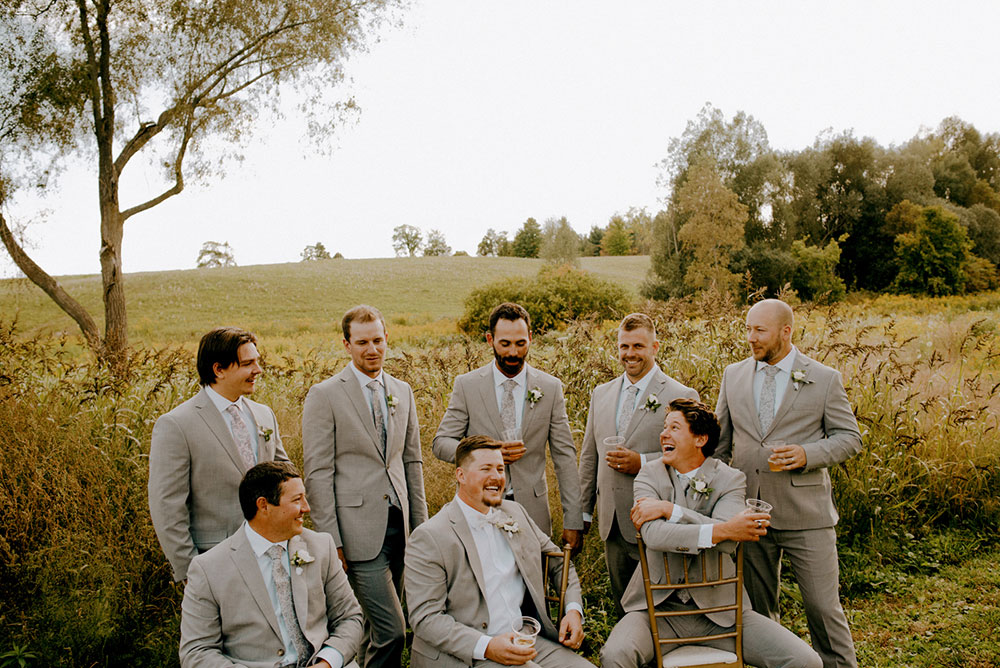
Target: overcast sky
point(480, 114)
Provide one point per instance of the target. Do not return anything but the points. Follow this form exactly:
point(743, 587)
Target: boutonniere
point(264, 433)
point(799, 378)
point(391, 402)
point(504, 523)
point(699, 487)
point(535, 395)
point(652, 403)
point(300, 558)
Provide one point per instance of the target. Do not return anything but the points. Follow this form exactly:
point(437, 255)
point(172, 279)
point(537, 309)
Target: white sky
point(480, 114)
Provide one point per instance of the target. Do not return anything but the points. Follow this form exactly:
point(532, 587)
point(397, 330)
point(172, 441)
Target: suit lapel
point(461, 528)
point(356, 394)
point(528, 411)
point(300, 588)
point(607, 406)
point(655, 386)
point(488, 394)
point(791, 394)
point(246, 564)
point(264, 447)
point(213, 419)
point(391, 390)
point(745, 379)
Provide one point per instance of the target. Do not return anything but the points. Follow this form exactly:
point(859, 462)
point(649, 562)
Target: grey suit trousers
point(622, 558)
point(550, 655)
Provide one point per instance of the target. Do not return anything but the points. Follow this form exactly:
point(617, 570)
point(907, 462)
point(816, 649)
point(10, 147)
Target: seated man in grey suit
point(201, 449)
point(685, 503)
point(475, 568)
point(274, 593)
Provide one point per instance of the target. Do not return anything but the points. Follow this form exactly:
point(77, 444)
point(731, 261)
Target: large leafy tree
point(110, 82)
point(528, 240)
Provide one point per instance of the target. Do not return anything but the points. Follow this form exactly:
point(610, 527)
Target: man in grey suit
point(786, 418)
point(475, 568)
point(273, 594)
point(631, 407)
point(687, 502)
point(200, 450)
point(523, 408)
point(364, 474)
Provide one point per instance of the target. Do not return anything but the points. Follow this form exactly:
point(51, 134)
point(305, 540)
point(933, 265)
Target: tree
point(713, 230)
point(214, 254)
point(406, 240)
point(436, 244)
point(932, 259)
point(592, 242)
point(816, 273)
point(528, 240)
point(984, 232)
point(616, 239)
point(493, 244)
point(560, 241)
point(316, 251)
point(109, 81)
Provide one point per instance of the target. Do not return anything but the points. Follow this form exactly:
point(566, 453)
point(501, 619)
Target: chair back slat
point(553, 594)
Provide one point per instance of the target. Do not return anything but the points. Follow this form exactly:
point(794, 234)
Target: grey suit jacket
point(600, 484)
point(347, 479)
point(195, 470)
point(445, 590)
point(227, 617)
point(473, 410)
point(680, 539)
point(814, 414)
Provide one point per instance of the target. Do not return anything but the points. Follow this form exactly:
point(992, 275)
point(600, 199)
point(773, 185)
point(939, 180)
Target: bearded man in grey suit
point(475, 568)
point(523, 408)
point(200, 450)
point(629, 407)
point(364, 474)
point(273, 594)
point(677, 519)
point(786, 418)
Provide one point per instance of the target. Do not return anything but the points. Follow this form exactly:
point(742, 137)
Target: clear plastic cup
point(614, 442)
point(525, 630)
point(758, 506)
point(772, 463)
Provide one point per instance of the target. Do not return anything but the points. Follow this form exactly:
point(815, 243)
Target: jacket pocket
point(348, 499)
point(807, 479)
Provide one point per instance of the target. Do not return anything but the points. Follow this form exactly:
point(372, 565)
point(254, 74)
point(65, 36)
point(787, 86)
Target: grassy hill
point(300, 301)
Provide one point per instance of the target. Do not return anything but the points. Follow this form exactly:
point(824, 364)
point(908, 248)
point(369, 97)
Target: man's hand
point(502, 650)
point(343, 559)
point(573, 538)
point(746, 526)
point(648, 508)
point(624, 460)
point(571, 629)
point(789, 457)
point(512, 451)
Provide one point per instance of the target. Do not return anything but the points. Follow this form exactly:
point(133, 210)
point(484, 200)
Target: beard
point(511, 365)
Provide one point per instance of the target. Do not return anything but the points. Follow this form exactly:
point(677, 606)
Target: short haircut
point(635, 321)
point(360, 313)
point(220, 346)
point(264, 480)
point(509, 311)
point(701, 421)
point(470, 444)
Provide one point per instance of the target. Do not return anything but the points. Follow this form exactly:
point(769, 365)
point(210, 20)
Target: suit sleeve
point(343, 614)
point(169, 488)
point(454, 425)
point(425, 580)
point(413, 465)
point(319, 454)
point(724, 450)
point(201, 623)
point(588, 465)
point(843, 438)
point(563, 452)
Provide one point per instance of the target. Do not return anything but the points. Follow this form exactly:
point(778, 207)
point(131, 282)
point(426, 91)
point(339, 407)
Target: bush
point(558, 295)
point(816, 274)
point(769, 267)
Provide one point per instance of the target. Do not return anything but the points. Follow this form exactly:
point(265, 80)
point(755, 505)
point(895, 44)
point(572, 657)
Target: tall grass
point(84, 580)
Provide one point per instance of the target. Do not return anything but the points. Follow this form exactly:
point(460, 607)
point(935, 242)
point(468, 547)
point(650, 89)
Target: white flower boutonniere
point(505, 523)
point(799, 378)
point(535, 395)
point(652, 403)
point(264, 433)
point(300, 558)
point(699, 487)
point(391, 402)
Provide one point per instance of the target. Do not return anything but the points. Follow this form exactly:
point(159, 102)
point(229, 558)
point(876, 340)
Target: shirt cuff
point(705, 537)
point(575, 606)
point(642, 458)
point(588, 517)
point(332, 656)
point(479, 651)
point(676, 514)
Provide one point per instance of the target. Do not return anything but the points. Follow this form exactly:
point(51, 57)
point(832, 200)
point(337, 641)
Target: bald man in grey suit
point(785, 419)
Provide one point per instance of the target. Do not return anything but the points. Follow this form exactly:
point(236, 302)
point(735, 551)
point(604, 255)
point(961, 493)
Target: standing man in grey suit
point(364, 474)
point(786, 418)
point(273, 594)
point(201, 449)
point(677, 519)
point(476, 567)
point(523, 408)
point(631, 407)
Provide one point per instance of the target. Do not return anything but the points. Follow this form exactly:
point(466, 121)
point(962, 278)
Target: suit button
point(484, 625)
point(682, 549)
point(757, 471)
point(385, 496)
point(281, 652)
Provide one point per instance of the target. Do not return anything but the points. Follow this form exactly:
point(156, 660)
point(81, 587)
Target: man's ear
point(262, 506)
point(700, 440)
point(489, 338)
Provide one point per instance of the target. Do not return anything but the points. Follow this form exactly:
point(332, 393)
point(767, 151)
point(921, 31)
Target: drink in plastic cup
point(758, 506)
point(772, 464)
point(511, 435)
point(614, 442)
point(525, 630)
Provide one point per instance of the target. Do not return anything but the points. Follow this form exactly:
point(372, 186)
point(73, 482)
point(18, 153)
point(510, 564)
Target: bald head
point(769, 330)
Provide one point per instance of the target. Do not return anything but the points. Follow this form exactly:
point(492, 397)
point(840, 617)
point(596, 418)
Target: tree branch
point(178, 174)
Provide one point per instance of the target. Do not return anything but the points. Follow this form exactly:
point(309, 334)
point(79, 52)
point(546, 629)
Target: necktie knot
point(509, 385)
point(275, 552)
point(771, 371)
point(375, 386)
point(241, 435)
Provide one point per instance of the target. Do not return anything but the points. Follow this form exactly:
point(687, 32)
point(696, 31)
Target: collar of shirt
point(364, 379)
point(642, 383)
point(222, 403)
point(473, 517)
point(259, 544)
point(520, 378)
point(689, 475)
point(785, 365)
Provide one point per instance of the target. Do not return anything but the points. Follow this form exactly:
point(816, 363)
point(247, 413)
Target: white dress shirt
point(780, 379)
point(519, 390)
point(223, 404)
point(260, 546)
point(705, 532)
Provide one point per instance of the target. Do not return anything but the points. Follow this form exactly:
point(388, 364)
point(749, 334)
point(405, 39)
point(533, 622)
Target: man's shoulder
point(542, 378)
point(673, 385)
point(396, 381)
point(723, 472)
point(730, 368)
point(218, 555)
point(478, 372)
point(436, 524)
point(607, 386)
point(810, 366)
point(256, 405)
point(188, 406)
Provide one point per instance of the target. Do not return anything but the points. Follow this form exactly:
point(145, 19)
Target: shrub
point(558, 295)
point(816, 274)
